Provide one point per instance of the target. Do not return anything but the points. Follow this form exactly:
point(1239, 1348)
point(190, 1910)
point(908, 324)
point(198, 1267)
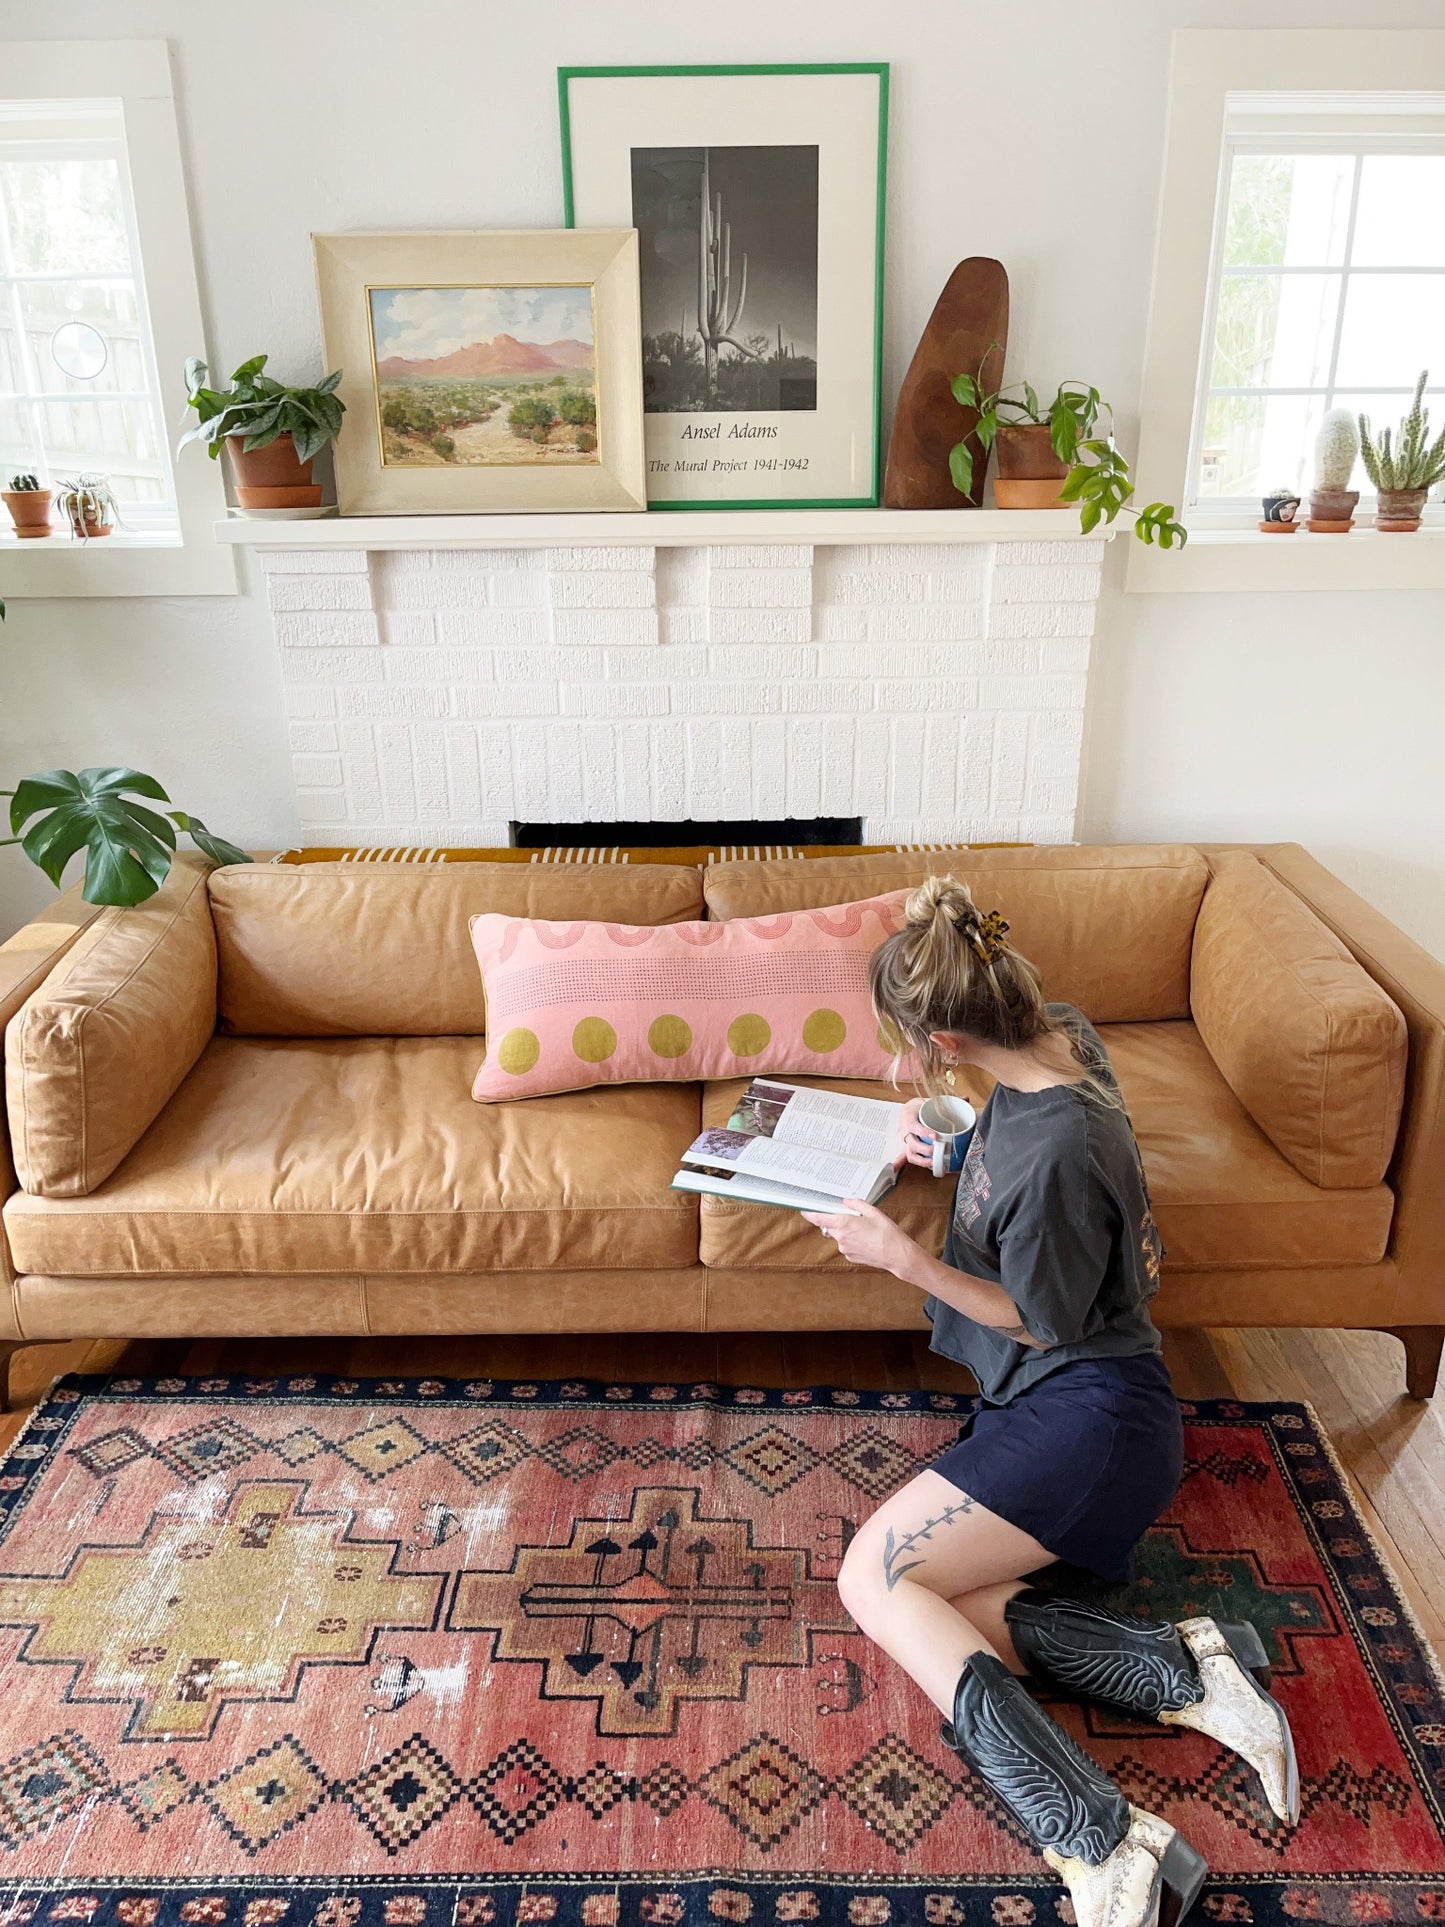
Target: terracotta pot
point(1025, 454)
point(1397, 510)
point(87, 523)
point(1030, 474)
point(1332, 510)
point(271, 477)
point(29, 510)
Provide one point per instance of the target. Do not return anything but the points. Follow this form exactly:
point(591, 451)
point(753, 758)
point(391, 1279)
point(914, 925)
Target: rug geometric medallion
point(322, 1652)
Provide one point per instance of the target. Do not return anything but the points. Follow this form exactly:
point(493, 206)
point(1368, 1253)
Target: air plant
point(87, 503)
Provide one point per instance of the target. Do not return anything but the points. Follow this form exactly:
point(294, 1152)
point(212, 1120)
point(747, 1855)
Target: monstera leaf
point(128, 847)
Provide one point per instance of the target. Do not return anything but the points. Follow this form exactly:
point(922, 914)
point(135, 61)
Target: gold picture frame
point(485, 373)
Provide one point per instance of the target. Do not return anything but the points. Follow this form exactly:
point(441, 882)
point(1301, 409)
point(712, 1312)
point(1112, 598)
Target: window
point(98, 312)
point(78, 383)
point(1327, 286)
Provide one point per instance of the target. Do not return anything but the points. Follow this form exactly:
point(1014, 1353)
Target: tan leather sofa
point(243, 1108)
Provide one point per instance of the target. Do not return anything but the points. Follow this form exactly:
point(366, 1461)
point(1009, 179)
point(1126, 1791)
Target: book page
point(753, 1190)
point(865, 1128)
point(800, 1164)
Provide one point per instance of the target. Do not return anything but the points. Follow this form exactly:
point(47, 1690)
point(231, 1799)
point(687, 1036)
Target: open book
point(804, 1149)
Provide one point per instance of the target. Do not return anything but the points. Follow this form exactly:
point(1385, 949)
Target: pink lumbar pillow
point(573, 1004)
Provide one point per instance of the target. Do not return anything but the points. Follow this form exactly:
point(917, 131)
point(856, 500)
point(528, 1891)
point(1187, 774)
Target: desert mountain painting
point(485, 376)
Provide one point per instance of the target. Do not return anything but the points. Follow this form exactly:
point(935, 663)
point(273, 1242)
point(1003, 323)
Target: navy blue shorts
point(1084, 1460)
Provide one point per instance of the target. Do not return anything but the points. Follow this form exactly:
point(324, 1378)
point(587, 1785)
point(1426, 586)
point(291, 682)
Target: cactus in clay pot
point(1403, 463)
point(1332, 500)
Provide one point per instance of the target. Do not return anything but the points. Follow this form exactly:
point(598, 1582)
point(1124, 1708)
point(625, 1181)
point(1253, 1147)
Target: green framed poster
point(758, 194)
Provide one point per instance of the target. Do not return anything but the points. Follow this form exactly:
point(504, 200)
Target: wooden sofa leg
point(8, 1349)
point(1423, 1346)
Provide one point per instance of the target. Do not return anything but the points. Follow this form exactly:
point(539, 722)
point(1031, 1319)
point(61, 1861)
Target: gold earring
point(948, 1077)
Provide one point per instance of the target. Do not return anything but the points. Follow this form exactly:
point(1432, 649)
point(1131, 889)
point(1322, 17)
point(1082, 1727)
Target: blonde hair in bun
point(951, 968)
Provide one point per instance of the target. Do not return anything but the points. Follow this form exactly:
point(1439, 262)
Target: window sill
point(130, 562)
point(1228, 561)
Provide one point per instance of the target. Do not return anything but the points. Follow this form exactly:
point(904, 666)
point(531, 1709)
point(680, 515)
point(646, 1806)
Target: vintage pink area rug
point(383, 1653)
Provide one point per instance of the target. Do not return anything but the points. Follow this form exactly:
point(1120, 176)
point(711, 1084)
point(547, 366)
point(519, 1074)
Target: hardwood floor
point(1392, 1447)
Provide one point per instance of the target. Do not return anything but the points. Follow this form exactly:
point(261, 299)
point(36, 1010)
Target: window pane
point(66, 216)
point(115, 438)
point(1401, 217)
point(98, 318)
point(1394, 327)
point(11, 377)
point(1288, 210)
point(1274, 330)
point(18, 448)
point(1255, 442)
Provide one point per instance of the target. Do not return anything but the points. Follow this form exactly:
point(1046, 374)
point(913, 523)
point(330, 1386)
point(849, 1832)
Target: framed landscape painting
point(485, 372)
point(757, 194)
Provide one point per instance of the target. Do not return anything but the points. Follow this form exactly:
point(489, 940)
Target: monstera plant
point(128, 847)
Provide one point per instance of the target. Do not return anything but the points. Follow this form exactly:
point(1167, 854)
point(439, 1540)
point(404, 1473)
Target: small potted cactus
point(1404, 464)
point(1281, 510)
point(29, 505)
point(1332, 500)
point(89, 506)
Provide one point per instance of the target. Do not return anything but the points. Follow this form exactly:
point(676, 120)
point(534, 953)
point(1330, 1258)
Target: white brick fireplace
point(437, 693)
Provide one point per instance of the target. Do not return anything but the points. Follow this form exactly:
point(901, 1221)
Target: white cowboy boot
point(1122, 1867)
point(1198, 1674)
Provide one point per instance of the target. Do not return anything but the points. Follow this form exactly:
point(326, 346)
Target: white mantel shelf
point(687, 528)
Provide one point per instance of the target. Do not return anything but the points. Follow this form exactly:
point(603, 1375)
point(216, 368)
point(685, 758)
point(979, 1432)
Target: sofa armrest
point(1416, 982)
point(98, 1049)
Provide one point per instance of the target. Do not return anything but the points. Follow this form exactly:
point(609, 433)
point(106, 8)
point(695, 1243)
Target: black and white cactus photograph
point(729, 258)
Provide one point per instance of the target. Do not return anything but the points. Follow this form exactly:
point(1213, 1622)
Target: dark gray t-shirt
point(1052, 1205)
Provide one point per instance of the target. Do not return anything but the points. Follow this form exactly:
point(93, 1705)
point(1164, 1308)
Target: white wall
point(1211, 716)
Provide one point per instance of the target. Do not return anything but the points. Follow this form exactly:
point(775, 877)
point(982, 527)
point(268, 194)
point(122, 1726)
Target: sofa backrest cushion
point(574, 1004)
point(1308, 1042)
point(97, 1052)
point(1110, 928)
point(363, 950)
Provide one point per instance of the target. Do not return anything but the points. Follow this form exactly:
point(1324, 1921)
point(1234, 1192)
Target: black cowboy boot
point(1122, 1867)
point(1198, 1674)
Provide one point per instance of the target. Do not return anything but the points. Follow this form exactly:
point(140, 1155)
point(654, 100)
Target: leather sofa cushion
point(1110, 928)
point(368, 1155)
point(95, 1053)
point(1308, 1042)
point(382, 950)
point(1224, 1197)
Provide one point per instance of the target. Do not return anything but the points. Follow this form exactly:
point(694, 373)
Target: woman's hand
point(864, 1236)
point(917, 1143)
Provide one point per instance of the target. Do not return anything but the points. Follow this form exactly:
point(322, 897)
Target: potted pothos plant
point(128, 847)
point(1055, 454)
point(272, 432)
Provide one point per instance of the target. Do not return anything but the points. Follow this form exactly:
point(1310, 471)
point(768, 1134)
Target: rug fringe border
point(1433, 1660)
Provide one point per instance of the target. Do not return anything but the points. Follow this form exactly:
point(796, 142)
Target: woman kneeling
point(1076, 1449)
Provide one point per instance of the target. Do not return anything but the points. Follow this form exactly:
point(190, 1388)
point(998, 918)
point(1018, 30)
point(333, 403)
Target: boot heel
point(1244, 1642)
point(1182, 1873)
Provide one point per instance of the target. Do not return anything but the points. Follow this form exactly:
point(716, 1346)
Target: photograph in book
point(729, 260)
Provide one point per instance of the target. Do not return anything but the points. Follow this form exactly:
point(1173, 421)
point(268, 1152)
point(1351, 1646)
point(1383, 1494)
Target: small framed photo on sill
point(757, 194)
point(485, 372)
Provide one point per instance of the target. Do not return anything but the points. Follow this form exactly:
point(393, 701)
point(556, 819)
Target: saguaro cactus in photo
point(717, 312)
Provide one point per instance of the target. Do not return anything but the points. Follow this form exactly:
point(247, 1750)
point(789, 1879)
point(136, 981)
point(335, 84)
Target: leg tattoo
point(896, 1549)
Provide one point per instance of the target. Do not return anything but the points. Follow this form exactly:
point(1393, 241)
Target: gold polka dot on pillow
point(749, 1034)
point(594, 1040)
point(823, 1030)
point(518, 1052)
point(669, 1036)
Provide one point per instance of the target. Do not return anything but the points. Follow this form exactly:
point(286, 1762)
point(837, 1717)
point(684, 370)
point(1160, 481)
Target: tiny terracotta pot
point(87, 523)
point(1397, 510)
point(29, 510)
point(271, 477)
point(1332, 510)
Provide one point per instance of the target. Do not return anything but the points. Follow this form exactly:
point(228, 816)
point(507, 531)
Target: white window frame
point(1209, 70)
point(185, 558)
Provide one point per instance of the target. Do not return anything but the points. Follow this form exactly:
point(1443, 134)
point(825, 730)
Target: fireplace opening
point(780, 833)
